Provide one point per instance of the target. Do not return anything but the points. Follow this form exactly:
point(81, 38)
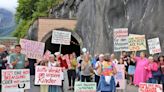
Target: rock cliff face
point(98, 18)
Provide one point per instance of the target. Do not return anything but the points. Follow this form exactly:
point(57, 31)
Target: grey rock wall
point(98, 18)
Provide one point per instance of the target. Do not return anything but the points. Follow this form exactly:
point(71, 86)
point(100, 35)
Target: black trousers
point(71, 77)
point(97, 79)
point(87, 78)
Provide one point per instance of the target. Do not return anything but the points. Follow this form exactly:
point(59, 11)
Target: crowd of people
point(100, 68)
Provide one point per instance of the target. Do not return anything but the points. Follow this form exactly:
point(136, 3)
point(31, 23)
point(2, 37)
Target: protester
point(17, 59)
point(79, 61)
point(114, 60)
point(12, 51)
point(151, 67)
point(86, 69)
point(53, 63)
point(131, 69)
point(107, 71)
point(140, 74)
point(161, 64)
point(98, 63)
point(125, 58)
point(3, 59)
point(43, 88)
point(72, 71)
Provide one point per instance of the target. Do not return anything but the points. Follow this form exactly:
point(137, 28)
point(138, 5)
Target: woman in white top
point(53, 63)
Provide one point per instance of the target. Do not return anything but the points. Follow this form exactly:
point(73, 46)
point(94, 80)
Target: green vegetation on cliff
point(28, 11)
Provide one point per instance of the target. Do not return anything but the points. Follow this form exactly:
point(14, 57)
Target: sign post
point(61, 37)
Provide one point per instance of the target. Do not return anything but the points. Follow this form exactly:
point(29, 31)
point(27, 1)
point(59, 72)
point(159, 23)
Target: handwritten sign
point(120, 77)
point(61, 37)
point(137, 42)
point(120, 37)
point(154, 46)
point(32, 49)
point(147, 87)
point(8, 41)
point(47, 55)
point(15, 79)
point(85, 87)
point(48, 76)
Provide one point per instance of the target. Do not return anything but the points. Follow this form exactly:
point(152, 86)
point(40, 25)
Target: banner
point(137, 42)
point(147, 87)
point(48, 76)
point(120, 39)
point(120, 77)
point(154, 46)
point(8, 41)
point(15, 79)
point(85, 87)
point(32, 49)
point(61, 37)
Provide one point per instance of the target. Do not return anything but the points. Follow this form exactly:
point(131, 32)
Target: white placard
point(61, 37)
point(15, 80)
point(154, 46)
point(120, 38)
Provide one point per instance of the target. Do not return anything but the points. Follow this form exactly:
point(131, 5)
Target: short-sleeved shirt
point(21, 60)
point(107, 68)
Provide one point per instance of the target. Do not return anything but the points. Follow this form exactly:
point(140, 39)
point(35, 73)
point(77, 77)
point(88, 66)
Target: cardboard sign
point(8, 41)
point(48, 76)
point(85, 87)
point(61, 37)
point(154, 46)
point(32, 49)
point(120, 38)
point(15, 80)
point(147, 87)
point(120, 77)
point(137, 42)
point(47, 55)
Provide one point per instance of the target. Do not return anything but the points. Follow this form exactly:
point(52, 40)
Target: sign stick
point(60, 48)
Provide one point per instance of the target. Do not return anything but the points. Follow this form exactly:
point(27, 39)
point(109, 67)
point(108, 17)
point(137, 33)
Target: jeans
point(71, 77)
point(103, 86)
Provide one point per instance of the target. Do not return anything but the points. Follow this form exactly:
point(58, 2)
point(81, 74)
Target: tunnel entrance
point(65, 49)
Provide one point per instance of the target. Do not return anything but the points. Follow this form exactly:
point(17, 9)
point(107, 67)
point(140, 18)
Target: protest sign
point(47, 55)
point(120, 39)
point(147, 87)
point(154, 46)
point(8, 41)
point(120, 77)
point(32, 49)
point(15, 80)
point(61, 37)
point(48, 76)
point(85, 87)
point(137, 42)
